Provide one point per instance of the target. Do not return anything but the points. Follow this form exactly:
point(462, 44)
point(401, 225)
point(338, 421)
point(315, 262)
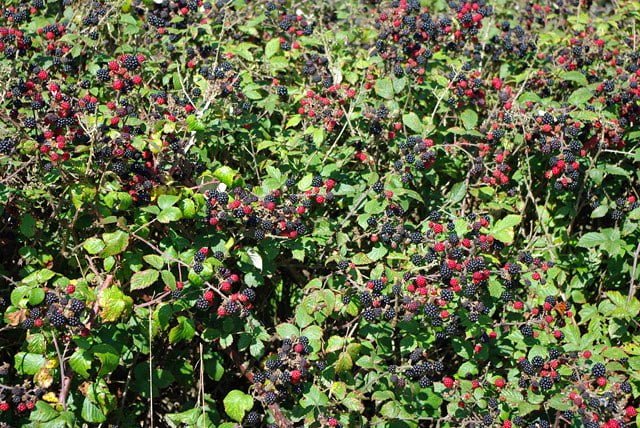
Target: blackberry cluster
point(7, 145)
point(421, 369)
point(286, 371)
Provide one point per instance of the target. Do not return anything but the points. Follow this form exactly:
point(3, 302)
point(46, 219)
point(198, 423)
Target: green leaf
point(93, 245)
point(166, 201)
point(113, 304)
point(599, 212)
point(272, 47)
point(193, 124)
point(154, 260)
point(108, 357)
point(575, 76)
point(314, 397)
point(144, 278)
point(287, 331)
point(185, 330)
point(44, 413)
point(168, 278)
point(80, 362)
point(591, 239)
point(580, 96)
point(237, 404)
point(92, 413)
point(412, 121)
point(384, 88)
point(28, 363)
point(225, 174)
point(502, 230)
point(169, 214)
point(344, 363)
point(116, 243)
point(28, 225)
point(458, 192)
point(469, 118)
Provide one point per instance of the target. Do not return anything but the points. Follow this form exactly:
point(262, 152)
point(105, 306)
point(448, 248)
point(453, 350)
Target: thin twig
point(632, 282)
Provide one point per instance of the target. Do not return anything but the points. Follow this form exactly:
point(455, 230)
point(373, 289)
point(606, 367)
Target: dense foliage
point(320, 213)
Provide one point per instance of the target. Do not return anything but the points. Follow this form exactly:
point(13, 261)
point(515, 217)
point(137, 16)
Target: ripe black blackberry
point(73, 321)
point(316, 181)
point(598, 370)
point(30, 123)
point(199, 257)
point(446, 294)
point(343, 264)
point(537, 362)
point(617, 215)
point(103, 75)
point(270, 398)
point(546, 383)
point(201, 303)
point(253, 418)
point(57, 319)
point(369, 315)
point(625, 387)
point(487, 420)
point(120, 168)
point(250, 293)
point(282, 91)
point(50, 298)
point(526, 330)
point(76, 305)
point(28, 323)
point(6, 145)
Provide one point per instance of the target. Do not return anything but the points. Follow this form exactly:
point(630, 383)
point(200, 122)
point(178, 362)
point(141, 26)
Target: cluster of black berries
point(229, 302)
point(58, 309)
point(279, 213)
point(618, 209)
point(417, 155)
point(325, 106)
point(316, 68)
point(408, 37)
point(20, 398)
point(177, 14)
point(7, 145)
point(420, 368)
point(467, 88)
point(449, 281)
point(285, 372)
point(538, 373)
point(513, 42)
point(289, 25)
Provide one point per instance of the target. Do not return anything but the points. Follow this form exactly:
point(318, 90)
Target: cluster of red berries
point(290, 25)
point(123, 73)
point(21, 398)
point(13, 42)
point(221, 296)
point(467, 88)
point(326, 107)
